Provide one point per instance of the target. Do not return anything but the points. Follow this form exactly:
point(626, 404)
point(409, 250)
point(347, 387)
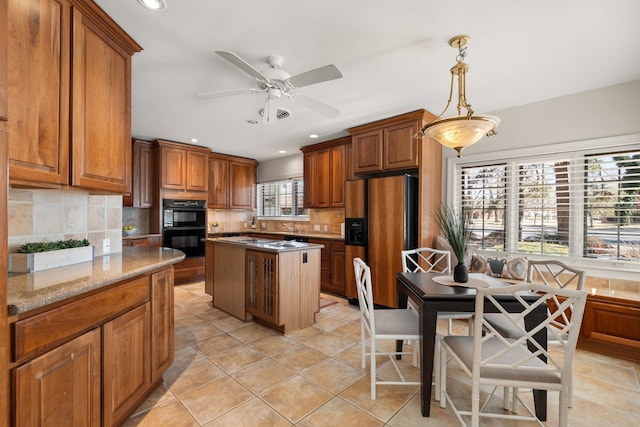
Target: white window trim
point(597, 268)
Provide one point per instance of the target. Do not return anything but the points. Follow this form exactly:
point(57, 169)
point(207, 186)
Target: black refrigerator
point(381, 220)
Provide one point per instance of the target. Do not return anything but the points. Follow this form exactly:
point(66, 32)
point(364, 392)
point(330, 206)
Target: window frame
point(303, 217)
point(569, 150)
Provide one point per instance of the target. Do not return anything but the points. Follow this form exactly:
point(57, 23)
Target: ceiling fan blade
point(317, 106)
point(221, 93)
point(319, 75)
point(270, 114)
point(243, 65)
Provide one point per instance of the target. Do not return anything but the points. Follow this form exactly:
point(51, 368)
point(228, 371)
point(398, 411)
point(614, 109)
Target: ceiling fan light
point(459, 132)
point(153, 4)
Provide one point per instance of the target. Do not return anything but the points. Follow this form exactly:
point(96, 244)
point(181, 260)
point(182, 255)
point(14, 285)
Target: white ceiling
point(394, 56)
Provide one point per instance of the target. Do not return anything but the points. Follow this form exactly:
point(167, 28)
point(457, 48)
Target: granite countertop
point(266, 245)
point(327, 236)
point(140, 236)
point(28, 291)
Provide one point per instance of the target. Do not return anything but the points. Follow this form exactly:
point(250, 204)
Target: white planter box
point(28, 263)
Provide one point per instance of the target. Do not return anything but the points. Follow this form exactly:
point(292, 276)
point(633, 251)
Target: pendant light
point(463, 130)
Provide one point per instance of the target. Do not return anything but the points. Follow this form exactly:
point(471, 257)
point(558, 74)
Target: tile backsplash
point(51, 215)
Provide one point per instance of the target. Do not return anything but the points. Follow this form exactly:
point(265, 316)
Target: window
point(484, 204)
point(281, 198)
point(581, 201)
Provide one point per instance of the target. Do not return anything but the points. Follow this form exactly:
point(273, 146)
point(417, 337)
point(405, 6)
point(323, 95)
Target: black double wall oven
point(184, 225)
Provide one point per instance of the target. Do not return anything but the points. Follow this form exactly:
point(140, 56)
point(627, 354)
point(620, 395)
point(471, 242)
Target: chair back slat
point(555, 273)
point(564, 308)
point(365, 293)
point(426, 260)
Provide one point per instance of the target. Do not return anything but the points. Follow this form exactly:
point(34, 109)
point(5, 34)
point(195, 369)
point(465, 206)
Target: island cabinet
point(183, 167)
point(388, 145)
point(231, 182)
point(69, 96)
point(283, 289)
point(326, 166)
point(93, 360)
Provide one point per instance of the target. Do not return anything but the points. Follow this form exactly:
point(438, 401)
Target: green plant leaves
point(33, 247)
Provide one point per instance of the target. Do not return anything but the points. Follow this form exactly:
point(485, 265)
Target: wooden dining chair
point(382, 324)
point(490, 358)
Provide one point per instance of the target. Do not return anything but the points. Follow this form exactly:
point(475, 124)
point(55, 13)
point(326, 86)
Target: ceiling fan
point(278, 83)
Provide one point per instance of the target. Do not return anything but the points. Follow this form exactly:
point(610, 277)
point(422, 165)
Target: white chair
point(492, 359)
point(428, 260)
point(551, 273)
point(391, 324)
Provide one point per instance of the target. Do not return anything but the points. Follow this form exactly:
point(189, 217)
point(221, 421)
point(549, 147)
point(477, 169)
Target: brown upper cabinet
point(388, 145)
point(68, 63)
point(183, 167)
point(326, 166)
point(231, 182)
point(144, 187)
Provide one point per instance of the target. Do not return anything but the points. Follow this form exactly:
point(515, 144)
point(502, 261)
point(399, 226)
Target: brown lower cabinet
point(143, 241)
point(611, 326)
point(61, 387)
point(92, 361)
point(332, 266)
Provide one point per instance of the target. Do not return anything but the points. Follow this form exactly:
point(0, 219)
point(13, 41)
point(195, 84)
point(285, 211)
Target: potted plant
point(455, 229)
point(36, 256)
point(214, 226)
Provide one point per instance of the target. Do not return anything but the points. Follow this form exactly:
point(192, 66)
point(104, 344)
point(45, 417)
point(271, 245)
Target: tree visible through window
point(582, 204)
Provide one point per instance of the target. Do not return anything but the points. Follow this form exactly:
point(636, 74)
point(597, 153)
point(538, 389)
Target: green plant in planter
point(33, 247)
point(455, 229)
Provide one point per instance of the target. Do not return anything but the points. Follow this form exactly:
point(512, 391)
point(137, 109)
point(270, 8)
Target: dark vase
point(460, 273)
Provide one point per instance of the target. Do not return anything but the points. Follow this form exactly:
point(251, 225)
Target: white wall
point(281, 168)
point(609, 111)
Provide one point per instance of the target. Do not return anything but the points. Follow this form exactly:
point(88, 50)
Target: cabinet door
point(126, 363)
point(367, 151)
point(144, 174)
point(242, 180)
point(38, 49)
point(61, 387)
point(197, 165)
point(309, 168)
point(322, 179)
point(338, 268)
point(400, 147)
point(325, 263)
point(337, 157)
point(101, 109)
point(316, 179)
point(161, 322)
point(172, 163)
point(262, 285)
point(218, 183)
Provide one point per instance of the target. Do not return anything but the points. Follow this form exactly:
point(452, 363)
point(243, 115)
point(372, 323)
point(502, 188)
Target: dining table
point(431, 298)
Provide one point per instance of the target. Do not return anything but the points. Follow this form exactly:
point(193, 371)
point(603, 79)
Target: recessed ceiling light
point(153, 4)
point(194, 140)
point(313, 136)
point(282, 151)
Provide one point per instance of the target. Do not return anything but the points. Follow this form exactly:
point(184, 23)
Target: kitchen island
point(273, 282)
point(90, 341)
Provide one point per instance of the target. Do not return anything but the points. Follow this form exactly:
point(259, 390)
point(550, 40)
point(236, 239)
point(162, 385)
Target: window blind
point(582, 204)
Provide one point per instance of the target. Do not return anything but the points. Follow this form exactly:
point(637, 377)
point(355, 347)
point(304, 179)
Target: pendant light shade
point(462, 130)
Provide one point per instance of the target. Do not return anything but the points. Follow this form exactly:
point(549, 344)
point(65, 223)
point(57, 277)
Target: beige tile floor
point(230, 373)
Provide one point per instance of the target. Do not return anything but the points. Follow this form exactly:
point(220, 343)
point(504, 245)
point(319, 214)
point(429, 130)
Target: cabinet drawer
point(46, 330)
